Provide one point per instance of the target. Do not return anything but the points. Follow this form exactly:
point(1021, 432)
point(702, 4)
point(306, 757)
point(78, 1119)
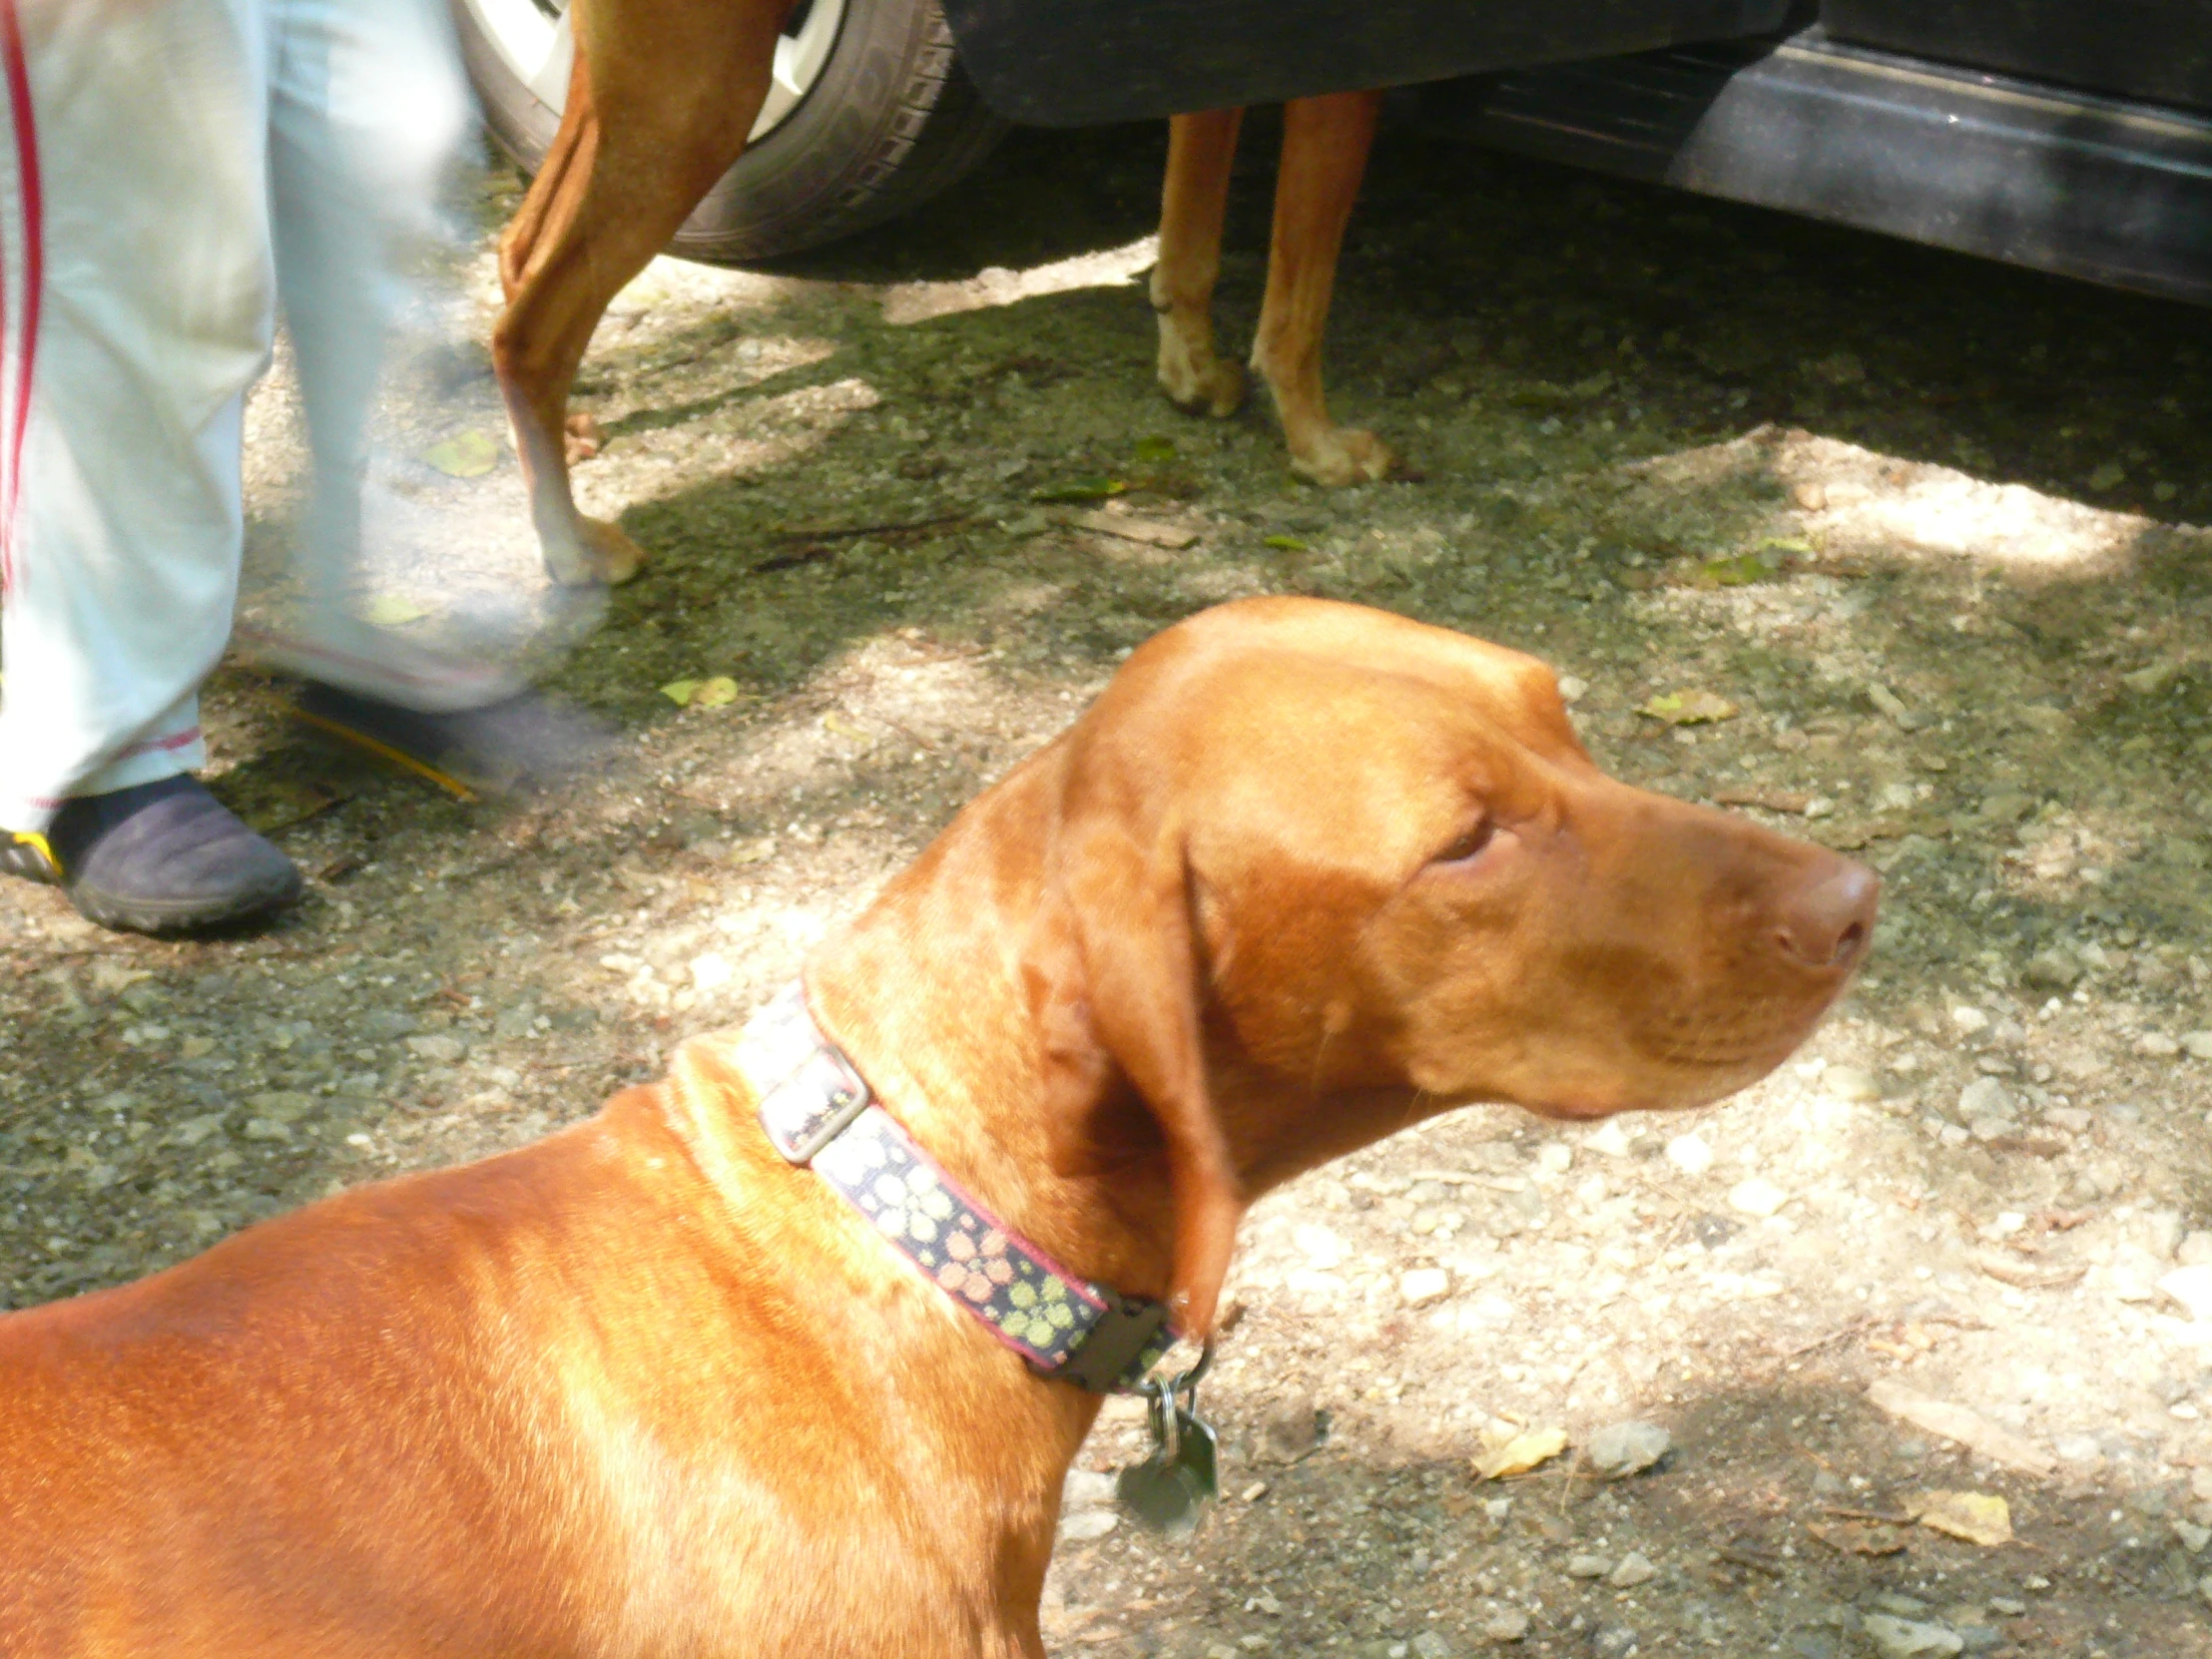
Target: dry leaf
point(680, 692)
point(1517, 1453)
point(1152, 534)
point(464, 455)
point(1689, 708)
point(1977, 1518)
point(1857, 1537)
point(1773, 800)
point(2010, 1269)
point(1969, 1428)
point(394, 610)
point(835, 722)
point(1742, 570)
point(718, 693)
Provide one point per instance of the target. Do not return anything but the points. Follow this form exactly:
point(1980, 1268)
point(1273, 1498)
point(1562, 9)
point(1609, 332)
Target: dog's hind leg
point(1325, 152)
point(659, 106)
point(1192, 203)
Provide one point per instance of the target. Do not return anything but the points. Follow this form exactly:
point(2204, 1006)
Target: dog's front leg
point(1191, 204)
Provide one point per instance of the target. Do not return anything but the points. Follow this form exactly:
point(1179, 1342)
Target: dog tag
point(1169, 1489)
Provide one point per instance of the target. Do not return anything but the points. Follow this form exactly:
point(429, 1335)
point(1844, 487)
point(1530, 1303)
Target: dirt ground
point(1922, 530)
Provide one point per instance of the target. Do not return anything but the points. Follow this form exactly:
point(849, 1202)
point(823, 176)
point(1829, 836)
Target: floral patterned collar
point(818, 1110)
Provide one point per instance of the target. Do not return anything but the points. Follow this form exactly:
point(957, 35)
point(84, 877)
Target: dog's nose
point(1826, 920)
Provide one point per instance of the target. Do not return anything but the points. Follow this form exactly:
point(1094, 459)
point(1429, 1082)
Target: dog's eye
point(1472, 841)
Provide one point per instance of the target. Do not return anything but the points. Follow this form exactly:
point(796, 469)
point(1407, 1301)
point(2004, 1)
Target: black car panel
point(1072, 63)
point(2029, 172)
point(2160, 50)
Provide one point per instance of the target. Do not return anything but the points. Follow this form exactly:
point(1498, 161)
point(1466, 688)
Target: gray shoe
point(159, 857)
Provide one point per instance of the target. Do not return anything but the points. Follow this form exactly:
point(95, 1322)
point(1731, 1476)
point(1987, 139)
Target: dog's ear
point(1128, 888)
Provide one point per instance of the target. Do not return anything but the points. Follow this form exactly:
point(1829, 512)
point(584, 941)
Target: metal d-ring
point(1186, 1383)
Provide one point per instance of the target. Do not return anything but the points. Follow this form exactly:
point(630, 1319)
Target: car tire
point(886, 121)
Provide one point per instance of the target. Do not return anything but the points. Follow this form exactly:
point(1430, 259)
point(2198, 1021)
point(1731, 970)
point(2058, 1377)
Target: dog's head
point(1329, 870)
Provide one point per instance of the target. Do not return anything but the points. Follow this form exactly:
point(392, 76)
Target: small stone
point(1087, 1524)
point(1624, 1448)
point(2051, 970)
point(1510, 1624)
point(1611, 1138)
point(1969, 1020)
point(1895, 1638)
point(1253, 1492)
point(2011, 1607)
point(1635, 1570)
point(711, 971)
point(1690, 1154)
point(2195, 1250)
point(1572, 688)
point(1325, 1249)
point(1849, 1083)
point(1417, 1286)
point(1986, 1097)
point(265, 1129)
point(2197, 1045)
point(2192, 1536)
point(1429, 1645)
point(1589, 1566)
point(2157, 1045)
point(1757, 1197)
point(192, 1131)
point(438, 1047)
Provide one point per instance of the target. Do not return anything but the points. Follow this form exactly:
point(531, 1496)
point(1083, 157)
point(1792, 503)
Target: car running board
point(2036, 175)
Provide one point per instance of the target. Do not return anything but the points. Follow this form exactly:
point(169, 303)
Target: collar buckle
point(814, 1105)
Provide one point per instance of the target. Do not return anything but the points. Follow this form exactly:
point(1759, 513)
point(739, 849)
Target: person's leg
point(137, 306)
point(368, 108)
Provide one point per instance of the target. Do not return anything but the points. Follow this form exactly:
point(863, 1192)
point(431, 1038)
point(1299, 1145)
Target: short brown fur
point(1302, 876)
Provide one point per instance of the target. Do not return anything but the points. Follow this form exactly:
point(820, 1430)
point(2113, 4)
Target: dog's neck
point(984, 1093)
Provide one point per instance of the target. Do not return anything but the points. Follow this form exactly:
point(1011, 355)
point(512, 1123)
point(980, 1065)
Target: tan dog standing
point(659, 104)
point(1324, 154)
point(1303, 875)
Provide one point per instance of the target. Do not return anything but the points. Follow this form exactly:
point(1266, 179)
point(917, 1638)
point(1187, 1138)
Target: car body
point(2056, 134)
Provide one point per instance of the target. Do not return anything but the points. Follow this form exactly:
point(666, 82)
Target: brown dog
point(659, 104)
point(1325, 152)
point(1305, 873)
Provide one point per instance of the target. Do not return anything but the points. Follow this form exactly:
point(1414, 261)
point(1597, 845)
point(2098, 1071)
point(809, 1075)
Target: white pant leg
point(135, 178)
point(368, 108)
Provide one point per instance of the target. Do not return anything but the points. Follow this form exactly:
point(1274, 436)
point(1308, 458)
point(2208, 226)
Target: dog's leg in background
point(659, 106)
point(1325, 152)
point(1192, 203)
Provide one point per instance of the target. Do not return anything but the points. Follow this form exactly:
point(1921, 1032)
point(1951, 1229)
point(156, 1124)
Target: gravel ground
point(1889, 548)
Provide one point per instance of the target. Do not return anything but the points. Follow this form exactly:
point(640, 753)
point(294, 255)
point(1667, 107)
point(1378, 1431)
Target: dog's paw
point(1342, 455)
point(581, 438)
point(1198, 383)
point(600, 556)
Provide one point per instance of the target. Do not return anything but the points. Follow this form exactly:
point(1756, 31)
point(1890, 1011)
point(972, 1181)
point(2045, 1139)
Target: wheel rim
point(534, 41)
